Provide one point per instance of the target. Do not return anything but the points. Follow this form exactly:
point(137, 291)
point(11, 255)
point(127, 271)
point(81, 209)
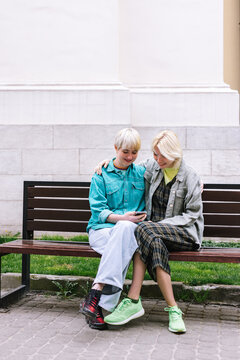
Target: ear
point(115, 147)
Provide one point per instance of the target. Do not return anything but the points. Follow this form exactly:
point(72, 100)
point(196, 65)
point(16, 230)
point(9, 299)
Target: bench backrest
point(55, 206)
point(221, 209)
point(64, 207)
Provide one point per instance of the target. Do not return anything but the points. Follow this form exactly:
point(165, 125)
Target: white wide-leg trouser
point(117, 246)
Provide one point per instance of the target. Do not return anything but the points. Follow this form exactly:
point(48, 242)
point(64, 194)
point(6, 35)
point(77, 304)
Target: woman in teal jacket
point(114, 199)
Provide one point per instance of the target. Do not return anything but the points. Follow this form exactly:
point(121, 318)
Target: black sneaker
point(98, 323)
point(89, 307)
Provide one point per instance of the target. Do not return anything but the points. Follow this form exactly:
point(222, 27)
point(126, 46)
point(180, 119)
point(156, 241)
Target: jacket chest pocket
point(137, 192)
point(113, 195)
point(179, 201)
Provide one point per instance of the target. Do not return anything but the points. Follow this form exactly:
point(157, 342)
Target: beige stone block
point(78, 178)
point(90, 158)
point(26, 136)
point(221, 179)
point(12, 185)
point(213, 138)
point(85, 136)
point(10, 162)
point(199, 160)
point(11, 213)
point(50, 162)
point(226, 163)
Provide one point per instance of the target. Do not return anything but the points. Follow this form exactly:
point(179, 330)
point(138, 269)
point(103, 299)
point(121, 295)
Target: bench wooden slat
point(221, 207)
point(229, 255)
point(75, 215)
point(221, 195)
point(69, 192)
point(67, 226)
point(222, 186)
point(221, 219)
point(69, 249)
point(221, 231)
point(58, 204)
point(47, 248)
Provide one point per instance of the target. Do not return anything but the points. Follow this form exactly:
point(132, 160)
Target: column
point(171, 58)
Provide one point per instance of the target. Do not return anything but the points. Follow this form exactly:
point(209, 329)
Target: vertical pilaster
point(171, 58)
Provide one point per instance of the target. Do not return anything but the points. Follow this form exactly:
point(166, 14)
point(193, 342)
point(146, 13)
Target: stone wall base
point(224, 294)
point(70, 153)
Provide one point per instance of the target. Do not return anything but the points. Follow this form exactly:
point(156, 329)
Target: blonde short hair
point(128, 138)
point(169, 146)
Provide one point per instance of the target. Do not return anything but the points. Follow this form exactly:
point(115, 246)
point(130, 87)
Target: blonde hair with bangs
point(128, 138)
point(169, 146)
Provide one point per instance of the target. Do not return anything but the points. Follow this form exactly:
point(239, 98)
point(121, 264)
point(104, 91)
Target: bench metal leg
point(13, 295)
point(0, 276)
point(26, 271)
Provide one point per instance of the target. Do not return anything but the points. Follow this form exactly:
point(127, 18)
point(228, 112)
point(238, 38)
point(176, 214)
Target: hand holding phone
point(140, 213)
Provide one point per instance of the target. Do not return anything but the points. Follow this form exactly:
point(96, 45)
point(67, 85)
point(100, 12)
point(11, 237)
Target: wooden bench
point(64, 207)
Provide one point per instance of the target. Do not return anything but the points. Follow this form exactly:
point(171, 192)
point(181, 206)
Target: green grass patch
point(62, 238)
point(190, 273)
point(8, 236)
point(196, 273)
point(222, 244)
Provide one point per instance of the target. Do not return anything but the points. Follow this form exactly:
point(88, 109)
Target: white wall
point(158, 62)
point(170, 42)
point(59, 41)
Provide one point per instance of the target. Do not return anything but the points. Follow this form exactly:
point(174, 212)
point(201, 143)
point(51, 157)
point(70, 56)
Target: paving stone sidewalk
point(44, 327)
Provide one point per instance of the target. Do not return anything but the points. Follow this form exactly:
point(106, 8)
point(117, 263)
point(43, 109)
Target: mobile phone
point(140, 213)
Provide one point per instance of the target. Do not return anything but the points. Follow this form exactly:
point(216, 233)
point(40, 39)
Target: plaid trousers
point(156, 240)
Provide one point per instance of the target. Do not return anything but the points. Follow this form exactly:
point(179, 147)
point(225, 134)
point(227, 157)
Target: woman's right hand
point(98, 168)
point(130, 216)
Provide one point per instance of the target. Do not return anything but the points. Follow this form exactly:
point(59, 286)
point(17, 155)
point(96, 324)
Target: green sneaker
point(176, 323)
point(125, 312)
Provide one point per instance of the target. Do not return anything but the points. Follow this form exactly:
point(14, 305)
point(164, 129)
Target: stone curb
point(211, 293)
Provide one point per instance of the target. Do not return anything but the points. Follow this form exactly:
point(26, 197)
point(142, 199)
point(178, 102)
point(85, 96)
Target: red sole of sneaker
point(98, 327)
point(89, 314)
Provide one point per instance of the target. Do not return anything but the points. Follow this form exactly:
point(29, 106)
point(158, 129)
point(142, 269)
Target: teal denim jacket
point(115, 191)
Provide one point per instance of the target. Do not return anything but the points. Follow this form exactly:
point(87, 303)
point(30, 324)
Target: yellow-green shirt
point(169, 174)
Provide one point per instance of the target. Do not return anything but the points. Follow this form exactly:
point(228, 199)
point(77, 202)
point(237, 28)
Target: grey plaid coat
point(184, 208)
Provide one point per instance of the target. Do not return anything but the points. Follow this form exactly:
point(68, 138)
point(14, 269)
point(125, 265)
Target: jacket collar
point(181, 171)
point(111, 167)
point(180, 174)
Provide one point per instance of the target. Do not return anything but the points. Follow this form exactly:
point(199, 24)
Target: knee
point(126, 225)
point(142, 225)
point(141, 228)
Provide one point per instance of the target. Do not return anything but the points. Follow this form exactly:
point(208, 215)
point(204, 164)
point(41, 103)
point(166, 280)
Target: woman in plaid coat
point(175, 223)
